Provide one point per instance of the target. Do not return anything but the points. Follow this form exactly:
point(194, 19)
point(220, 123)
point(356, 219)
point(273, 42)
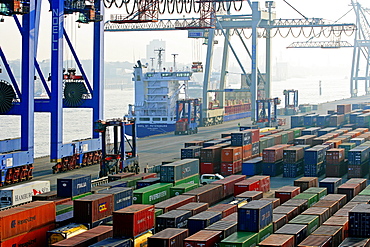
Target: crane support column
point(256, 17)
point(28, 73)
point(267, 86)
point(224, 68)
point(98, 65)
point(207, 73)
point(57, 11)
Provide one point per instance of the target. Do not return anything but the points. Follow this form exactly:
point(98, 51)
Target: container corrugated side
point(35, 237)
point(174, 202)
point(152, 194)
point(73, 185)
point(93, 208)
point(210, 193)
point(170, 237)
point(204, 238)
point(254, 216)
point(280, 240)
point(122, 197)
point(202, 220)
point(227, 227)
point(179, 170)
point(240, 239)
point(114, 242)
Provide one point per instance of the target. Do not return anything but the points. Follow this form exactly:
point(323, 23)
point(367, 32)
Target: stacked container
point(202, 220)
point(314, 161)
point(358, 159)
point(273, 160)
point(359, 221)
point(254, 216)
point(170, 237)
point(210, 160)
point(306, 182)
point(287, 192)
point(335, 165)
point(178, 170)
point(204, 238)
point(293, 161)
point(228, 183)
point(331, 184)
point(252, 167)
point(231, 160)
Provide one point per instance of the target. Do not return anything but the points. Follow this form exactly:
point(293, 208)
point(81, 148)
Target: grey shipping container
point(178, 170)
point(227, 227)
point(170, 237)
point(173, 219)
point(73, 185)
point(122, 197)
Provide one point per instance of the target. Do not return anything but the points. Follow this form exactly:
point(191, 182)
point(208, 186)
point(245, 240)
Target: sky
point(131, 46)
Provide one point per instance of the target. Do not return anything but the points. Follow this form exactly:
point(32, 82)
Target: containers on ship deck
point(170, 237)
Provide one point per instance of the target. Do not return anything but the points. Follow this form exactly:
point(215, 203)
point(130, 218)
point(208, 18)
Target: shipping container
point(22, 193)
point(229, 168)
point(359, 221)
point(341, 198)
point(181, 189)
point(321, 192)
point(240, 239)
point(279, 220)
point(293, 170)
point(273, 169)
point(250, 195)
point(351, 190)
point(231, 154)
point(195, 207)
point(193, 143)
point(64, 232)
point(87, 238)
point(312, 222)
point(275, 201)
point(210, 167)
point(293, 154)
point(298, 231)
point(232, 217)
point(152, 194)
point(194, 179)
point(92, 208)
point(314, 155)
point(179, 170)
point(274, 154)
point(170, 237)
point(331, 184)
point(191, 152)
point(114, 242)
point(338, 221)
point(287, 192)
point(264, 182)
point(278, 240)
point(122, 197)
point(358, 242)
point(225, 209)
point(173, 219)
point(138, 218)
point(323, 213)
point(317, 241)
point(265, 232)
point(226, 227)
point(333, 206)
point(249, 184)
point(304, 140)
point(204, 238)
point(228, 183)
point(241, 138)
point(252, 167)
point(202, 220)
point(114, 177)
point(302, 204)
point(361, 181)
point(334, 231)
point(146, 182)
point(34, 237)
point(311, 198)
point(334, 156)
point(210, 193)
point(73, 185)
point(254, 216)
point(290, 212)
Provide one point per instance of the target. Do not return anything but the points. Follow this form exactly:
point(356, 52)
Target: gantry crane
point(224, 24)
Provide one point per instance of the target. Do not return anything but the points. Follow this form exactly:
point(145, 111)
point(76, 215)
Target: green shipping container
point(131, 182)
point(240, 239)
point(265, 232)
point(284, 137)
point(347, 146)
point(182, 188)
point(365, 192)
point(312, 222)
point(297, 132)
point(311, 198)
point(152, 194)
point(320, 191)
point(194, 179)
point(82, 195)
point(263, 144)
point(62, 209)
point(158, 211)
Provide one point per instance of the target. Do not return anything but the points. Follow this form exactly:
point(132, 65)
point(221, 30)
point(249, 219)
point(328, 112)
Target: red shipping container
point(87, 238)
point(174, 203)
point(287, 192)
point(211, 154)
point(34, 238)
point(170, 237)
point(351, 190)
point(204, 238)
point(247, 151)
point(247, 185)
point(361, 181)
point(211, 168)
point(264, 182)
point(274, 153)
point(145, 175)
point(195, 207)
point(231, 154)
point(319, 241)
point(210, 193)
point(226, 209)
point(92, 208)
point(229, 182)
point(228, 168)
point(339, 221)
point(23, 218)
point(137, 219)
point(255, 135)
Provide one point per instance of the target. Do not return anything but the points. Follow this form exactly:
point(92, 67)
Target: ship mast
point(160, 54)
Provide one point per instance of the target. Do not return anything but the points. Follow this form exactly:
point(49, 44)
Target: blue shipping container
point(190, 152)
point(254, 216)
point(241, 138)
point(296, 121)
point(122, 197)
point(311, 131)
point(315, 170)
point(331, 184)
point(73, 185)
point(116, 183)
point(252, 167)
point(202, 220)
point(147, 182)
point(114, 242)
point(272, 169)
point(293, 170)
point(314, 155)
point(323, 120)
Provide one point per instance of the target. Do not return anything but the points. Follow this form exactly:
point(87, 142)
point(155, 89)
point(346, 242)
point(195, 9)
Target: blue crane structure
point(212, 23)
point(67, 90)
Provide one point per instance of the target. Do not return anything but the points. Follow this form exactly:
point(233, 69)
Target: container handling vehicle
point(120, 155)
point(187, 116)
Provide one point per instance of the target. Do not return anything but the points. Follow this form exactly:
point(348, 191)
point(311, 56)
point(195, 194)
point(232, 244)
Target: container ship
point(156, 96)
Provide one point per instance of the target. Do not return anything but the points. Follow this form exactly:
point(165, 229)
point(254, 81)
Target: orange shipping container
point(23, 218)
point(231, 154)
point(34, 238)
point(247, 151)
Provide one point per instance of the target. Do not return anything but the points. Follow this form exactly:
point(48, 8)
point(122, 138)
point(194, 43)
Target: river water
point(77, 122)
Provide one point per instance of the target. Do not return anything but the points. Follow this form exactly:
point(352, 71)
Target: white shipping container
point(22, 193)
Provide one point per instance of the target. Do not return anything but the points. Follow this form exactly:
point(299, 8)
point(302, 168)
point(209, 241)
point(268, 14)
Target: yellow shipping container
point(65, 232)
point(142, 241)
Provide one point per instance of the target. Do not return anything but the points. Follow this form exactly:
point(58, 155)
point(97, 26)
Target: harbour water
point(77, 122)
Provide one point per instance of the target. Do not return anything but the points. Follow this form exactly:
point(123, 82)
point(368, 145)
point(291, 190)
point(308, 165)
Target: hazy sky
point(130, 46)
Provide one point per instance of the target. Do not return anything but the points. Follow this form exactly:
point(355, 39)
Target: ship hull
point(144, 130)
